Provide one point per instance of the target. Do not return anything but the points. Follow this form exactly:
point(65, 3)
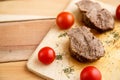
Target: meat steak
point(84, 46)
point(94, 16)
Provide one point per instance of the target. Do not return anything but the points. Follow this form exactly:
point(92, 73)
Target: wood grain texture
point(18, 70)
point(19, 39)
point(33, 7)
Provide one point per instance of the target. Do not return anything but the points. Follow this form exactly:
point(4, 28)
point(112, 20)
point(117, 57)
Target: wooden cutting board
point(109, 65)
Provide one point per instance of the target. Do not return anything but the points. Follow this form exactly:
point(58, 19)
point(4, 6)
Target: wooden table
point(18, 70)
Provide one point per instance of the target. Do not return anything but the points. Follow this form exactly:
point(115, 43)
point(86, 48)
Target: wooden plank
point(19, 39)
point(16, 71)
point(33, 7)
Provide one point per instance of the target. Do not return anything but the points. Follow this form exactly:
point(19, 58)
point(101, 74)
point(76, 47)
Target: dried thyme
point(59, 57)
point(115, 36)
point(107, 42)
point(68, 71)
point(57, 45)
point(62, 35)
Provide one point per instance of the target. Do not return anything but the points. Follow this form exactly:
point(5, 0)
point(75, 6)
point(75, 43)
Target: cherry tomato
point(90, 73)
point(46, 55)
point(118, 12)
point(65, 20)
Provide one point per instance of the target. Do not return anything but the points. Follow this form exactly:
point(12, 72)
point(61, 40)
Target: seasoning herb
point(62, 35)
point(59, 57)
point(68, 71)
point(115, 35)
point(107, 42)
point(57, 45)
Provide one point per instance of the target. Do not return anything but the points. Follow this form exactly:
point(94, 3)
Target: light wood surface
point(30, 7)
point(18, 70)
point(19, 39)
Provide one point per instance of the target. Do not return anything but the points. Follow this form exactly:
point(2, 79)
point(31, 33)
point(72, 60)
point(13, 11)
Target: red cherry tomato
point(46, 55)
point(65, 20)
point(118, 12)
point(90, 73)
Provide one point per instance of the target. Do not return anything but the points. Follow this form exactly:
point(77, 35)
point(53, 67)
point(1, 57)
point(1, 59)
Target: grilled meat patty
point(84, 46)
point(94, 16)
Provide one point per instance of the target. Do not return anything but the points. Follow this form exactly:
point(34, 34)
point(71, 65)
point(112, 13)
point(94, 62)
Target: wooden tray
point(109, 65)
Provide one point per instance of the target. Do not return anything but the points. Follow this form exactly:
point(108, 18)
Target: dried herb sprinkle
point(62, 35)
point(68, 70)
point(59, 57)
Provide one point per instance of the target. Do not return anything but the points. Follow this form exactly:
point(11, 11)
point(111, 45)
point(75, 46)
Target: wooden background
point(18, 70)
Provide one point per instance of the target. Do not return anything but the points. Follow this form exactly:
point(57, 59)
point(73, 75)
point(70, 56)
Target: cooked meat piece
point(84, 46)
point(95, 17)
point(99, 20)
point(87, 5)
